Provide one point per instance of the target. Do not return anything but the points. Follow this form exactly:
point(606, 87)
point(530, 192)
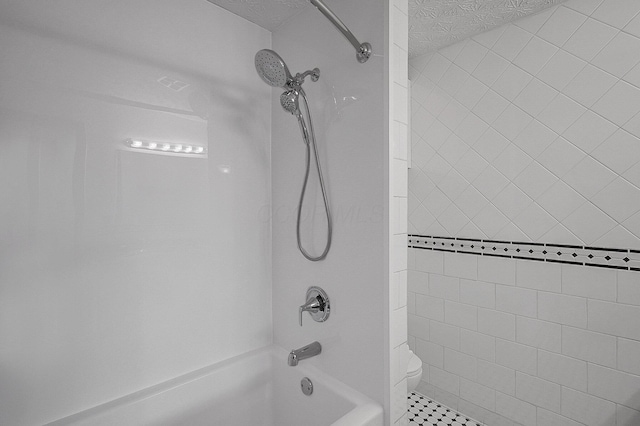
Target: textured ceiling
point(437, 23)
point(268, 14)
point(432, 23)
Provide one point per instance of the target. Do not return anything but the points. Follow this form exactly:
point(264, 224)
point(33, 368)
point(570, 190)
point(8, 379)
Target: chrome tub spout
point(304, 352)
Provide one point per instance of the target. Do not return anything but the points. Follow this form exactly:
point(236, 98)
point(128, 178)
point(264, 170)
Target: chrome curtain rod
point(363, 50)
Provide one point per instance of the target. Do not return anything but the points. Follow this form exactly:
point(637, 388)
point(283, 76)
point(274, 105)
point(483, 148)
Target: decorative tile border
point(615, 258)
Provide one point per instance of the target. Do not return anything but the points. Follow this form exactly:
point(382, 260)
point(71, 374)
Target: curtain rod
point(363, 50)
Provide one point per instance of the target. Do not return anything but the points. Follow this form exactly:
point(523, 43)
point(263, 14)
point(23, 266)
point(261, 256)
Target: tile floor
point(423, 411)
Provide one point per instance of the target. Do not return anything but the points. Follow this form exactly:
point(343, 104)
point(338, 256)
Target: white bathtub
point(255, 389)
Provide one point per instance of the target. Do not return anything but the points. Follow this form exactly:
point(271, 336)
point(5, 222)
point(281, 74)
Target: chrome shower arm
point(363, 50)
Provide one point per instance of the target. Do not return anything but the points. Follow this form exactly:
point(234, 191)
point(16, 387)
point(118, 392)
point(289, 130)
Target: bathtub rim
point(365, 411)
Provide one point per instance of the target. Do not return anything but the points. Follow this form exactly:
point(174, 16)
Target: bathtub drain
point(306, 386)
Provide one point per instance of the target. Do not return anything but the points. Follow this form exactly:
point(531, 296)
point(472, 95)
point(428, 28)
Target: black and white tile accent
point(423, 411)
point(616, 258)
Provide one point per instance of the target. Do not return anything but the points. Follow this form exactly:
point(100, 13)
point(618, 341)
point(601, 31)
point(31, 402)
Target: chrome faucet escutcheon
point(317, 305)
point(304, 352)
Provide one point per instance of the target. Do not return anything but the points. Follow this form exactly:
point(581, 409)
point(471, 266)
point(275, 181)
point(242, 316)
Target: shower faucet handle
point(317, 305)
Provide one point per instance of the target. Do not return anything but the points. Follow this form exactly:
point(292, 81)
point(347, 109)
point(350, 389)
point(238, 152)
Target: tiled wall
point(530, 132)
point(524, 342)
point(398, 131)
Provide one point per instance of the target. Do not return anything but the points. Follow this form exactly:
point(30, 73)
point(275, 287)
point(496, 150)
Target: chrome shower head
point(272, 69)
point(289, 101)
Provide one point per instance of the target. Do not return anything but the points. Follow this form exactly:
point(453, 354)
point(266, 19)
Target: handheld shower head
point(272, 69)
point(289, 101)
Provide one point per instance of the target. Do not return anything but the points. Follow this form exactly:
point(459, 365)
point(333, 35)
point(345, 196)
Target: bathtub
point(257, 388)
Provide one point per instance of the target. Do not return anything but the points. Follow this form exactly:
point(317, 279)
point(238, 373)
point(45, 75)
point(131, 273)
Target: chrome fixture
point(307, 386)
point(363, 50)
point(273, 71)
point(304, 352)
point(317, 305)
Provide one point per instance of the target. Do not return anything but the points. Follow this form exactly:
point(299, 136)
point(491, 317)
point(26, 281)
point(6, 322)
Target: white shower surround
point(152, 266)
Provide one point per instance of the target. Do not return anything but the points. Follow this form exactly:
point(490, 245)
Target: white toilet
point(414, 371)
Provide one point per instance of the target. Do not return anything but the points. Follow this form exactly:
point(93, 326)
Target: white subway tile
point(430, 307)
point(593, 283)
point(399, 405)
point(547, 418)
point(430, 354)
point(515, 409)
point(589, 39)
point(489, 38)
point(418, 282)
point(589, 131)
point(490, 106)
point(478, 394)
point(512, 41)
point(510, 123)
point(561, 25)
point(444, 287)
point(620, 103)
point(497, 270)
point(490, 68)
point(539, 275)
point(400, 103)
point(478, 345)
point(461, 315)
point(462, 365)
point(562, 370)
point(411, 303)
point(620, 55)
point(461, 265)
point(453, 79)
point(471, 91)
point(614, 385)
point(446, 381)
point(429, 261)
point(516, 356)
point(561, 113)
point(538, 392)
point(539, 334)
point(628, 356)
point(535, 55)
point(614, 318)
point(587, 409)
point(589, 346)
point(497, 324)
point(625, 416)
point(398, 323)
point(418, 327)
point(535, 138)
point(400, 141)
point(516, 300)
point(617, 13)
point(399, 361)
point(534, 22)
point(568, 310)
point(478, 293)
point(445, 335)
point(586, 7)
point(561, 156)
point(512, 82)
point(470, 56)
point(497, 377)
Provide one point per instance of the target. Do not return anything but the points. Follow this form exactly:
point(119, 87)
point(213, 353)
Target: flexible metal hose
point(310, 140)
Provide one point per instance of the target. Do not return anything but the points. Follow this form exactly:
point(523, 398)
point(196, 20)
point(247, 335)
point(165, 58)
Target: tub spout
point(304, 352)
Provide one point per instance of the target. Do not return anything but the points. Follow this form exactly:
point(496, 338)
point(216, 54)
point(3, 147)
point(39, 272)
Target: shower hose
point(310, 140)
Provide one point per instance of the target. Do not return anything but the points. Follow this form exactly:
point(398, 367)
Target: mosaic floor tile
point(423, 411)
